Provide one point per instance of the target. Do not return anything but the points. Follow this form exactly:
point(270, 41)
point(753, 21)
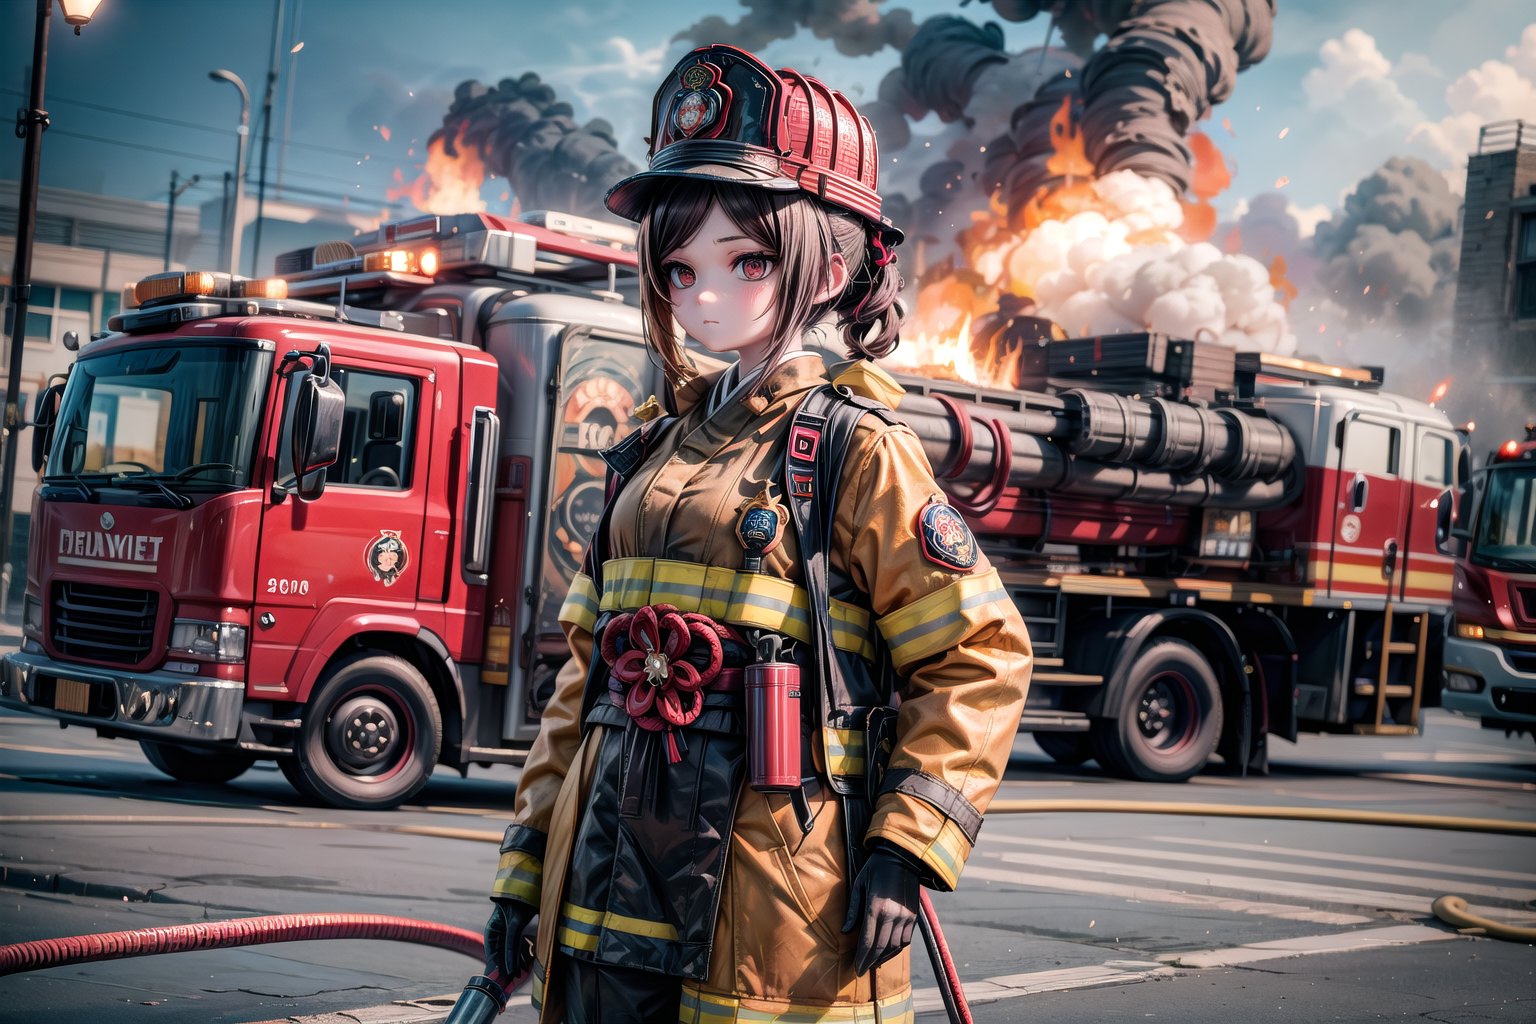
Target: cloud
point(1522, 56)
point(1493, 91)
point(1354, 81)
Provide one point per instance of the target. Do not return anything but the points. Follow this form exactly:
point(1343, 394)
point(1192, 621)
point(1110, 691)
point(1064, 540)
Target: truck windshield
point(1506, 535)
point(170, 421)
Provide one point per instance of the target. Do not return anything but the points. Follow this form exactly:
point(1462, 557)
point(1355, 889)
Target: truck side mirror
point(44, 415)
point(316, 435)
point(1444, 511)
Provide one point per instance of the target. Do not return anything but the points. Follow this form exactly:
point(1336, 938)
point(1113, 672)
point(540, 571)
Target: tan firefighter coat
point(956, 641)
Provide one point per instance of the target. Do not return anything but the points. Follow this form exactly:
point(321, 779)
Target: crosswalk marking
point(1152, 894)
point(1269, 864)
point(1260, 885)
point(1353, 858)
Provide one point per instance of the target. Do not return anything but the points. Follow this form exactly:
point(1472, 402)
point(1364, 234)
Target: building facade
point(1495, 311)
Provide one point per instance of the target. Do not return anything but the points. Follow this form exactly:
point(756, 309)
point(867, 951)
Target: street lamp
point(243, 132)
point(31, 122)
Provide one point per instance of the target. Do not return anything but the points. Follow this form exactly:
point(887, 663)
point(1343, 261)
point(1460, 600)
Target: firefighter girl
point(667, 886)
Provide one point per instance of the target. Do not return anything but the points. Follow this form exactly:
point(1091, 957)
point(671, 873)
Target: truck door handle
point(1359, 493)
point(1389, 559)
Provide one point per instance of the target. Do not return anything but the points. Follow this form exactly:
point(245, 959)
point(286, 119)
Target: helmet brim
point(631, 196)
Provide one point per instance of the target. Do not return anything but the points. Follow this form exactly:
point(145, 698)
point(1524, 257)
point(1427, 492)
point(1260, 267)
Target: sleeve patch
point(946, 538)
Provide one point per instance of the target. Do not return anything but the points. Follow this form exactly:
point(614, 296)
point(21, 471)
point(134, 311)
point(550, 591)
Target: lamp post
point(244, 132)
point(31, 122)
point(170, 211)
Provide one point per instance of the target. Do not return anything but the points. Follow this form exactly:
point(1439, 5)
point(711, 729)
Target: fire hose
point(485, 996)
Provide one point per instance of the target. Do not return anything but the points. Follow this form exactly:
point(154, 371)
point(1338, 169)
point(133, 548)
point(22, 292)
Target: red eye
point(680, 276)
point(753, 268)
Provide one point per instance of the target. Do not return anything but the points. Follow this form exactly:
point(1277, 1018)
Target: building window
point(1525, 269)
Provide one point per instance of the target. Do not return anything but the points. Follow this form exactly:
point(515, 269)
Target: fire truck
point(329, 518)
point(1490, 653)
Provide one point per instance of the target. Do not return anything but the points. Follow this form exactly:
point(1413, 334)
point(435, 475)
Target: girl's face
point(723, 288)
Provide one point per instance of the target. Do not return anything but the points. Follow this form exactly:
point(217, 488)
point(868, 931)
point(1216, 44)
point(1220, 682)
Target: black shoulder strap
point(820, 435)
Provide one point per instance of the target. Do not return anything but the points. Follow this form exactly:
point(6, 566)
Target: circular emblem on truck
point(386, 557)
point(107, 522)
point(1349, 529)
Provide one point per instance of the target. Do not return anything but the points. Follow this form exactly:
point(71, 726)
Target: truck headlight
point(216, 641)
point(32, 616)
point(1467, 631)
point(1461, 682)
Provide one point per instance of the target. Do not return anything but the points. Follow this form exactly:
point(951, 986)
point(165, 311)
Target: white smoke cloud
point(1124, 268)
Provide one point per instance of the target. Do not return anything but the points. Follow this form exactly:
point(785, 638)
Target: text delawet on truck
point(1490, 654)
point(330, 519)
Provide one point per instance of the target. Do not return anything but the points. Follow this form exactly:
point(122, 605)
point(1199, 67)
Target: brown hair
point(802, 232)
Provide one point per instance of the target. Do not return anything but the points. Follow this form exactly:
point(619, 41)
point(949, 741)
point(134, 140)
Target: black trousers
point(602, 994)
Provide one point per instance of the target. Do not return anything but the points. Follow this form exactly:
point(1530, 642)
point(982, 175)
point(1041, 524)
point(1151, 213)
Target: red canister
point(773, 725)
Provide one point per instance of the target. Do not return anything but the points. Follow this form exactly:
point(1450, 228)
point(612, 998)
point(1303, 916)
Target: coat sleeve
point(520, 873)
point(957, 643)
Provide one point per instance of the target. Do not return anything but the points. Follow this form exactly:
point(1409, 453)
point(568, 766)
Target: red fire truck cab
point(1490, 655)
point(451, 377)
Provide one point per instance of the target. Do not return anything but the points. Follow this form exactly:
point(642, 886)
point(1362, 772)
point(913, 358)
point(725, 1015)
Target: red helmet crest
point(724, 115)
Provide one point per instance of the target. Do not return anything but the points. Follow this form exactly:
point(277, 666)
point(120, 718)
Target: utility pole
point(266, 130)
point(170, 212)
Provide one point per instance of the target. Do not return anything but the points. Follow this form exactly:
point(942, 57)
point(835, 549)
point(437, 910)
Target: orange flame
point(1440, 390)
point(448, 184)
point(1210, 178)
point(1068, 157)
point(1280, 283)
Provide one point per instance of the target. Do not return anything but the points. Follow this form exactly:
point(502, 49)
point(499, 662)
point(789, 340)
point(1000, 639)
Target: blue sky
point(1349, 83)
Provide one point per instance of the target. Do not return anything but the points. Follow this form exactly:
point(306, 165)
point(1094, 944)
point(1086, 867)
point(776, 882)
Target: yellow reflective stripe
point(580, 606)
point(586, 923)
point(850, 629)
point(537, 996)
point(697, 1007)
point(520, 875)
point(947, 854)
point(845, 751)
point(741, 598)
point(940, 620)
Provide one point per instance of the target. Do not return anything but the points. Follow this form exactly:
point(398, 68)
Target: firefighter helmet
point(724, 115)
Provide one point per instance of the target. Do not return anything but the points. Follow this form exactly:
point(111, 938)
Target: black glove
point(885, 899)
point(506, 950)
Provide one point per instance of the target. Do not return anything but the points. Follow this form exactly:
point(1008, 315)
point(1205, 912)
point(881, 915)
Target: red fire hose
point(245, 931)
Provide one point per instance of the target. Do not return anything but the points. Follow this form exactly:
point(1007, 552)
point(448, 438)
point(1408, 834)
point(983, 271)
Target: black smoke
point(1390, 255)
point(1164, 65)
point(524, 133)
point(856, 27)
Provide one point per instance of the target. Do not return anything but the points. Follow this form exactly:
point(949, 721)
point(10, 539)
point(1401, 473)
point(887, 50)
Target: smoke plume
point(1165, 64)
point(1391, 254)
point(522, 132)
point(856, 27)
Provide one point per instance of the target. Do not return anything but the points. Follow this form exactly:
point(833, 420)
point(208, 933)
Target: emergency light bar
point(177, 286)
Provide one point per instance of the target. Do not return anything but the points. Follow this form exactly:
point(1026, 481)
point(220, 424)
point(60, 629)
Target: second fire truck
point(329, 519)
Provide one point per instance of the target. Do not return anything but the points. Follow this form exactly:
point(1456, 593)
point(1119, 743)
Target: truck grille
point(100, 623)
point(1516, 702)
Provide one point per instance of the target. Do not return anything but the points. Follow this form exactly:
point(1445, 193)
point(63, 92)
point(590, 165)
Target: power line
point(201, 157)
point(175, 122)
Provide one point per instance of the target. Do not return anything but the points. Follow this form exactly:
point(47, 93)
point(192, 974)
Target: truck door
point(358, 547)
point(1427, 573)
point(1370, 509)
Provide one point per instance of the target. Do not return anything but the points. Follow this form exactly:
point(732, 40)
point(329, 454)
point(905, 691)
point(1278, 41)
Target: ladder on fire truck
point(1401, 637)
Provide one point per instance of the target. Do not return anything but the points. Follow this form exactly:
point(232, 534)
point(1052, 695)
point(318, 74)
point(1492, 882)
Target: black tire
point(1065, 748)
point(373, 697)
point(1164, 723)
point(197, 764)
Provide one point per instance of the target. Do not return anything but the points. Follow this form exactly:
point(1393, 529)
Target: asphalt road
point(1061, 916)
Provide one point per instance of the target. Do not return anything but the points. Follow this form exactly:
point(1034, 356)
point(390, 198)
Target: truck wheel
point(370, 737)
point(1166, 720)
point(196, 764)
point(1065, 748)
